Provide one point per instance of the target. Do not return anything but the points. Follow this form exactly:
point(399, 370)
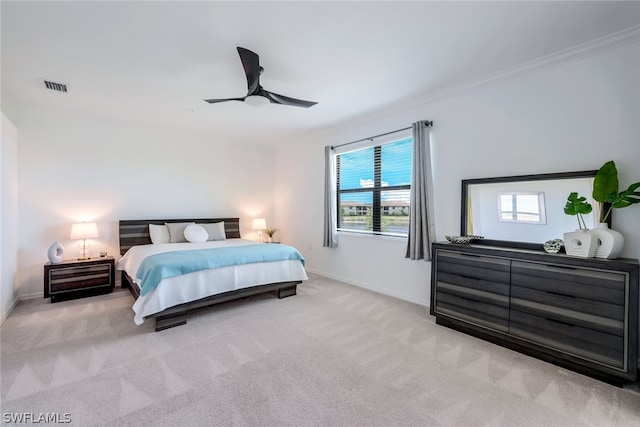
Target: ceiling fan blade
point(251, 64)
point(285, 100)
point(213, 101)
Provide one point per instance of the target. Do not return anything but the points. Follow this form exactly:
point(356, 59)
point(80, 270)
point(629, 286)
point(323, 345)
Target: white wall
point(75, 167)
point(568, 117)
point(8, 217)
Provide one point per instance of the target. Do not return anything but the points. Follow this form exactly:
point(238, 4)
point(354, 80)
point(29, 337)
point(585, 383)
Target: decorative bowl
point(553, 246)
point(463, 240)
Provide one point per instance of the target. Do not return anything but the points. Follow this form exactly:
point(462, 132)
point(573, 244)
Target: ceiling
point(155, 62)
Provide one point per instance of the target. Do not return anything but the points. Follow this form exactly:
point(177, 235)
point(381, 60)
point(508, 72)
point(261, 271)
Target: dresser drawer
point(473, 288)
point(587, 320)
point(605, 286)
point(569, 338)
point(474, 267)
point(471, 310)
point(577, 304)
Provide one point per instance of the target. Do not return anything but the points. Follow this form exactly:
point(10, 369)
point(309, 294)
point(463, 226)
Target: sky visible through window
point(357, 171)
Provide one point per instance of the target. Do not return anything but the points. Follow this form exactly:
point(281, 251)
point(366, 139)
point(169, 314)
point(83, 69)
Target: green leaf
point(577, 205)
point(605, 184)
point(628, 197)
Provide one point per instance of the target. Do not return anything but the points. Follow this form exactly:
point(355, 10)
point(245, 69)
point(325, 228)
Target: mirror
point(524, 211)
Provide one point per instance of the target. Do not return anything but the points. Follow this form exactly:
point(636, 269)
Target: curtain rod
point(428, 123)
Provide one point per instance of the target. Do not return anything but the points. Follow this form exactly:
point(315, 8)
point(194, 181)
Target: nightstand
point(79, 278)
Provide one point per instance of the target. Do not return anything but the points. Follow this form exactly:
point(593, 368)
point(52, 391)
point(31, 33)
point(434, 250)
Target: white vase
point(580, 243)
point(609, 243)
point(56, 253)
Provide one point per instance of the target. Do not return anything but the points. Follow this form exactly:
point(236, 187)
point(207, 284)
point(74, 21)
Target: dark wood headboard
point(136, 232)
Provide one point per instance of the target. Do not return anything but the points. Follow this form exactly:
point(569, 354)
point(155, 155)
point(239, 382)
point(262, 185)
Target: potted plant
point(605, 190)
point(270, 232)
point(578, 206)
point(580, 242)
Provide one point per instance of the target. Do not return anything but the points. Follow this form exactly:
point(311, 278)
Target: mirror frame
point(515, 178)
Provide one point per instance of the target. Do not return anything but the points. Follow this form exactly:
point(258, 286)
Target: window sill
point(372, 236)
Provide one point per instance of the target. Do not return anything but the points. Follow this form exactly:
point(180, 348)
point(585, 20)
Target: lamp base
point(84, 253)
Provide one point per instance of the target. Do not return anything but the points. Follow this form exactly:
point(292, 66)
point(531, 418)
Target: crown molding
point(608, 42)
point(611, 41)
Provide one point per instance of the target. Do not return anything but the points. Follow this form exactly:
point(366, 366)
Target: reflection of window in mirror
point(525, 207)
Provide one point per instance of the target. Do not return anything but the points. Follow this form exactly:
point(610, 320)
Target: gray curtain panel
point(330, 237)
point(421, 225)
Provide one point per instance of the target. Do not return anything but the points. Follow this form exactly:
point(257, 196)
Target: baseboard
point(369, 287)
point(6, 314)
point(32, 295)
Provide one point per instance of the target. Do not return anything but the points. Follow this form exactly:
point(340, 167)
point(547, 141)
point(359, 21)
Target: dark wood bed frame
point(136, 232)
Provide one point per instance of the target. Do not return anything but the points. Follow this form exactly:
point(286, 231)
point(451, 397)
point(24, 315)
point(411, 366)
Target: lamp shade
point(259, 224)
point(84, 230)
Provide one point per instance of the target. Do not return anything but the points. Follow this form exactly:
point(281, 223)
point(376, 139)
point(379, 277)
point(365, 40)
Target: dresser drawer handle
point(560, 294)
point(560, 322)
point(464, 255)
point(564, 267)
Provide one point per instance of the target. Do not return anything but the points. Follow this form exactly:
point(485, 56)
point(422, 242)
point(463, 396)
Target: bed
point(170, 298)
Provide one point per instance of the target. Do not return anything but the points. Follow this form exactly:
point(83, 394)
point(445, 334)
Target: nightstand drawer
point(79, 277)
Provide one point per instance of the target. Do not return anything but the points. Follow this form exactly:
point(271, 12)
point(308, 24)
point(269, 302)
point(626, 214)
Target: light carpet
point(334, 355)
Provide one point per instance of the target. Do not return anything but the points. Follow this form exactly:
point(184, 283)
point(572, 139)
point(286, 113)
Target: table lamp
point(259, 224)
point(84, 231)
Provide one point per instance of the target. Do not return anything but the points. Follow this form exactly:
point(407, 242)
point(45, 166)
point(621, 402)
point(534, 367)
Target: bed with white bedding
point(168, 279)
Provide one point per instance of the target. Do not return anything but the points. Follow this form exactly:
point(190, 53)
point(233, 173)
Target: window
point(373, 186)
point(522, 207)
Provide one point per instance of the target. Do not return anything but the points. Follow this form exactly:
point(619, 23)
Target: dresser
point(580, 313)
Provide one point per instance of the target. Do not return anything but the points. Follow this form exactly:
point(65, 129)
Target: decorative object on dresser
point(216, 272)
point(259, 224)
point(79, 278)
point(553, 246)
point(578, 313)
point(608, 243)
point(605, 191)
point(83, 231)
point(463, 240)
point(578, 206)
point(56, 253)
point(581, 242)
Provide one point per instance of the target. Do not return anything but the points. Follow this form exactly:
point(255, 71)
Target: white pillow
point(159, 234)
point(176, 231)
point(215, 230)
point(195, 233)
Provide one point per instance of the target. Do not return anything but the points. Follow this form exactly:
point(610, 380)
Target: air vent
point(58, 87)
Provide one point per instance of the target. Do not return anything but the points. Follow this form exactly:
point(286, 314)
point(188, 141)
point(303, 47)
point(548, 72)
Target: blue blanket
point(156, 267)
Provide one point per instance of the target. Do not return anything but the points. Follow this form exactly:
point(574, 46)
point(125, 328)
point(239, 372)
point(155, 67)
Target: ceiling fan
point(252, 69)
